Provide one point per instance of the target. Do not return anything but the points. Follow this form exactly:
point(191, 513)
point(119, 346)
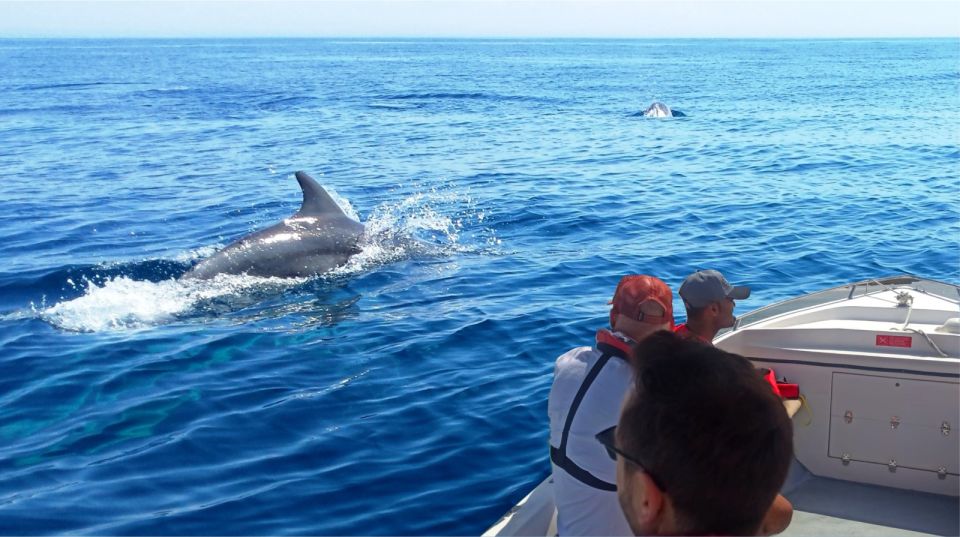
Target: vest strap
point(579, 473)
point(559, 455)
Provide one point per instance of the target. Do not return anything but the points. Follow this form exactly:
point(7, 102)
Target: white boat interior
point(876, 439)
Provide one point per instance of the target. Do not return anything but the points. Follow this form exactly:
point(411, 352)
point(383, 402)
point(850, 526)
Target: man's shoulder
point(578, 354)
point(577, 363)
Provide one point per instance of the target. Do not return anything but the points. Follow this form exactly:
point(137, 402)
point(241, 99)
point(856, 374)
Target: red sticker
point(895, 341)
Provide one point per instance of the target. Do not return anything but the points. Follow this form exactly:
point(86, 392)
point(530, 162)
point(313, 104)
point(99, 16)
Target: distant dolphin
point(658, 109)
point(315, 239)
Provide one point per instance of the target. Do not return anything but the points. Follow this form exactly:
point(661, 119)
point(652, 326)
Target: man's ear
point(649, 504)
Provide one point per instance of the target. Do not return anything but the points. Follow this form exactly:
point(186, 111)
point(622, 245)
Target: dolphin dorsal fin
point(316, 201)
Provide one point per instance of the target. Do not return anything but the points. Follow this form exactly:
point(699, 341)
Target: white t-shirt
point(581, 508)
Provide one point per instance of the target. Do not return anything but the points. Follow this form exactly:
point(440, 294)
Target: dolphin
point(317, 238)
point(658, 109)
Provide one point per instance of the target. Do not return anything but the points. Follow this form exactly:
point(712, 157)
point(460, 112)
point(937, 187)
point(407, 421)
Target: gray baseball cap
point(706, 286)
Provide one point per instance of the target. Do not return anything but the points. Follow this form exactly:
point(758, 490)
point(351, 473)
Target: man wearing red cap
point(589, 385)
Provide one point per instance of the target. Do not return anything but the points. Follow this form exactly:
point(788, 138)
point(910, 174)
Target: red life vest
point(609, 338)
point(684, 332)
point(784, 390)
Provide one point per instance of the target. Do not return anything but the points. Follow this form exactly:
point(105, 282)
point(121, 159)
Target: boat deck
point(824, 506)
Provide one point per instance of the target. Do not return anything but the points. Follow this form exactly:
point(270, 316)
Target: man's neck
point(623, 335)
point(701, 329)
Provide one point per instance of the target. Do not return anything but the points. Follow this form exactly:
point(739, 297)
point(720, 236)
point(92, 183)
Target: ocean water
point(405, 393)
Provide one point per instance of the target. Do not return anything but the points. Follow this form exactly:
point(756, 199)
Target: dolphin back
point(316, 201)
point(316, 239)
point(658, 109)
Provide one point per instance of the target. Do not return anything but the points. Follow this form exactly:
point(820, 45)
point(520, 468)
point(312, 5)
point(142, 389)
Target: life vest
point(608, 338)
point(684, 332)
point(785, 390)
point(610, 345)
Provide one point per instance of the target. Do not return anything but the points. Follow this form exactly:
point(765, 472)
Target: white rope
point(930, 341)
point(906, 321)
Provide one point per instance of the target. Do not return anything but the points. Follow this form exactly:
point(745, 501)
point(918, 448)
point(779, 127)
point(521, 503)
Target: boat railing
point(850, 291)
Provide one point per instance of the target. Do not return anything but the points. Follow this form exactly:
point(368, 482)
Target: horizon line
point(483, 37)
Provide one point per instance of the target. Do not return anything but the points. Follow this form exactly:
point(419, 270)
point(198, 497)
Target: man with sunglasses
point(702, 446)
point(589, 385)
point(709, 299)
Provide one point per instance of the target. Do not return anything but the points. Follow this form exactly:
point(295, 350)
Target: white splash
point(393, 229)
point(122, 303)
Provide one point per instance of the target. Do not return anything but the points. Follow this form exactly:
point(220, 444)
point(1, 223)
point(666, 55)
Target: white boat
point(877, 438)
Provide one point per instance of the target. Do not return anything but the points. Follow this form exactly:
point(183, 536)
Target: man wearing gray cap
point(709, 300)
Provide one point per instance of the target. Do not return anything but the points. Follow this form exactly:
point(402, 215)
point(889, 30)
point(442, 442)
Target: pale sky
point(481, 18)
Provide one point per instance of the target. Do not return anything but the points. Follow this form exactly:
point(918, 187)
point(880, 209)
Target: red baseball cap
point(634, 290)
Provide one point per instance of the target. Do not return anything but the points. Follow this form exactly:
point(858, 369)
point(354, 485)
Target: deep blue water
point(406, 393)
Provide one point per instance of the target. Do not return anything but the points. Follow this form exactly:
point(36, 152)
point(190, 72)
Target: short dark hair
point(704, 422)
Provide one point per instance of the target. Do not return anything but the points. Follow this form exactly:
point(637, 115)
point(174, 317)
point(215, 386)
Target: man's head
point(709, 298)
point(641, 305)
point(705, 444)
